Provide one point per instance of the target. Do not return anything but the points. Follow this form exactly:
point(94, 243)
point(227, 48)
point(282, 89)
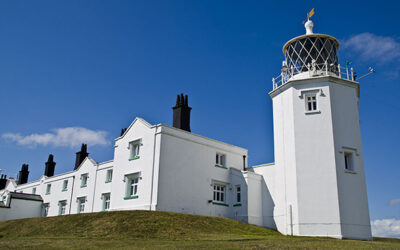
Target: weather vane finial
point(309, 14)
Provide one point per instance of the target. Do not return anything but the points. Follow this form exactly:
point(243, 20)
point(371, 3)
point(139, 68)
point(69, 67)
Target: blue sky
point(74, 69)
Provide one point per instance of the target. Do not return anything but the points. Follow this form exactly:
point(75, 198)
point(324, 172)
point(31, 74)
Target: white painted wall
point(20, 208)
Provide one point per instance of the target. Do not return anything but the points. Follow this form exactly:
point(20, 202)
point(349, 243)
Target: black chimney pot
point(23, 174)
point(181, 113)
point(81, 156)
point(50, 166)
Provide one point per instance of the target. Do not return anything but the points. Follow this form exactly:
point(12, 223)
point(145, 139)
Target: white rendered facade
point(315, 187)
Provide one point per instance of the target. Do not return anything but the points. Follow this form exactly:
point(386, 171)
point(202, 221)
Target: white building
point(315, 187)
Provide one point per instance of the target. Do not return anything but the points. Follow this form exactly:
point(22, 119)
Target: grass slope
point(145, 229)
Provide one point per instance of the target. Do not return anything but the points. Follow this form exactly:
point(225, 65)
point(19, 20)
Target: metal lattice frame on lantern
point(314, 53)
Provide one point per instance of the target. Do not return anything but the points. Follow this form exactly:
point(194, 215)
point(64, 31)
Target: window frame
point(109, 175)
point(106, 201)
point(220, 160)
point(84, 177)
point(62, 207)
point(65, 186)
point(219, 193)
point(348, 161)
point(48, 188)
point(311, 105)
point(34, 190)
point(81, 204)
point(238, 194)
point(132, 187)
point(135, 149)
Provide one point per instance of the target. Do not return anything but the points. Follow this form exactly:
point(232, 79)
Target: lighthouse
point(318, 182)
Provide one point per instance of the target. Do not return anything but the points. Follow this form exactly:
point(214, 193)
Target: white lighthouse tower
point(318, 178)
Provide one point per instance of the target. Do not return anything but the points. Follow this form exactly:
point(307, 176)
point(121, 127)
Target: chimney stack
point(181, 113)
point(3, 181)
point(23, 174)
point(50, 166)
point(81, 155)
point(123, 131)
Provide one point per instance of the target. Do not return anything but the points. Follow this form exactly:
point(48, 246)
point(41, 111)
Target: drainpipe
point(152, 169)
point(72, 191)
point(94, 189)
point(244, 162)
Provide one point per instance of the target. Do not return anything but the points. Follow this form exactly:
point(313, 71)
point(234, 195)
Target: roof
point(310, 35)
point(22, 196)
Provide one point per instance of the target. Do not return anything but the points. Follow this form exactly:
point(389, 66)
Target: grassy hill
point(145, 229)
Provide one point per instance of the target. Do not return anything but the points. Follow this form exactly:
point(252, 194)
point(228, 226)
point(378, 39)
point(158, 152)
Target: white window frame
point(46, 207)
point(220, 160)
point(81, 204)
point(48, 188)
point(219, 193)
point(348, 161)
point(106, 201)
point(132, 186)
point(84, 180)
point(62, 207)
point(65, 185)
point(312, 103)
point(238, 194)
point(134, 149)
point(109, 175)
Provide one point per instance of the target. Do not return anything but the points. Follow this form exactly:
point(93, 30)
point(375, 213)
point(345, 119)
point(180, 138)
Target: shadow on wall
point(268, 206)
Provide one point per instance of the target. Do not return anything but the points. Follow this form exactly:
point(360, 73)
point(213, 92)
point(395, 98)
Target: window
point(65, 185)
point(238, 194)
point(219, 193)
point(109, 175)
point(311, 102)
point(48, 188)
point(134, 148)
point(106, 202)
point(348, 161)
point(46, 207)
point(84, 178)
point(132, 186)
point(61, 207)
point(81, 204)
point(34, 190)
point(220, 160)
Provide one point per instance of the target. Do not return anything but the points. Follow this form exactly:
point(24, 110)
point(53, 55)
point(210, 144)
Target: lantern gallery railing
point(312, 71)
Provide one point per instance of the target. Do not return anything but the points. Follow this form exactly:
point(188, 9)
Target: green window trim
point(82, 186)
point(237, 205)
point(104, 210)
point(220, 204)
point(108, 181)
point(64, 189)
point(134, 158)
point(131, 197)
point(220, 166)
point(47, 193)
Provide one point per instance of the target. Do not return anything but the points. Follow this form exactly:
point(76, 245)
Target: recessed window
point(34, 190)
point(132, 186)
point(46, 207)
point(81, 204)
point(134, 148)
point(238, 194)
point(106, 201)
point(65, 185)
point(348, 161)
point(219, 193)
point(61, 207)
point(109, 175)
point(84, 179)
point(48, 188)
point(220, 160)
point(311, 102)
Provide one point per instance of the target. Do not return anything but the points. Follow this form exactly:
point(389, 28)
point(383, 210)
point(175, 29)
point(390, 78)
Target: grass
point(145, 229)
